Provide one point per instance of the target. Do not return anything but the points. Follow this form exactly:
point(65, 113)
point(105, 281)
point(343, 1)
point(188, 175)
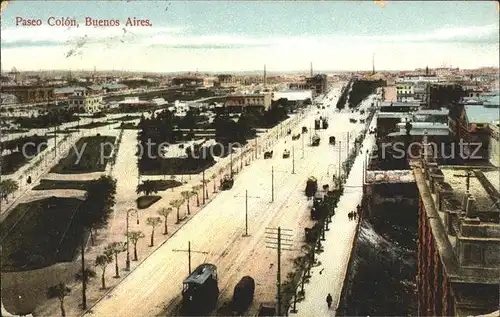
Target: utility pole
point(278, 240)
point(231, 158)
point(340, 158)
point(256, 147)
point(84, 275)
point(302, 137)
point(293, 159)
point(1, 256)
point(347, 142)
point(203, 185)
point(246, 211)
point(272, 183)
point(189, 251)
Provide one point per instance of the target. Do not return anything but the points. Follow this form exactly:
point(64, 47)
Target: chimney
point(469, 208)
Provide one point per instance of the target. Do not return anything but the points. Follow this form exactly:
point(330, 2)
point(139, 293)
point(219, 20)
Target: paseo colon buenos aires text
point(89, 21)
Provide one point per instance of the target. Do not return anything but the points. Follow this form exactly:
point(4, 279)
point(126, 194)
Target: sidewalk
point(328, 277)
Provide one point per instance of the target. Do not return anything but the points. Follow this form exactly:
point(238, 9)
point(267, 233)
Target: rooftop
point(201, 274)
point(482, 114)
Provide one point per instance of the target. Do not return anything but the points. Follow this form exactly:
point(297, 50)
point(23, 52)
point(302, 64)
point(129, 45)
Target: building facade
point(84, 101)
point(459, 242)
point(494, 144)
point(246, 102)
point(30, 94)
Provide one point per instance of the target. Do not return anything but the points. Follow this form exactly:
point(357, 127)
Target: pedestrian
point(329, 300)
point(354, 215)
point(349, 215)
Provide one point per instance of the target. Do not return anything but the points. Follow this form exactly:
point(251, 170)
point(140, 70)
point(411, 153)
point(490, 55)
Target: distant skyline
point(211, 36)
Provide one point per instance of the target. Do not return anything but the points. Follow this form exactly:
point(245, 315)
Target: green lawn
point(58, 184)
point(144, 202)
point(90, 160)
point(40, 233)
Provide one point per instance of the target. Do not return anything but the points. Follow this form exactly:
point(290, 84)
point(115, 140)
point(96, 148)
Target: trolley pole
point(189, 251)
point(293, 159)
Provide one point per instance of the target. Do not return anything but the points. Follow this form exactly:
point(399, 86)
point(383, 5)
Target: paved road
point(218, 228)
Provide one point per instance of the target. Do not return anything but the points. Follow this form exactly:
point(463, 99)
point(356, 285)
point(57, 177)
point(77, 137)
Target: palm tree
point(102, 261)
point(221, 171)
point(213, 177)
point(134, 237)
point(153, 222)
point(165, 212)
point(114, 249)
point(186, 194)
point(172, 178)
point(196, 189)
point(7, 187)
point(205, 187)
point(60, 291)
point(177, 203)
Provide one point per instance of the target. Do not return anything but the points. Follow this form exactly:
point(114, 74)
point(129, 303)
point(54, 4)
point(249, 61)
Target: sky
point(220, 36)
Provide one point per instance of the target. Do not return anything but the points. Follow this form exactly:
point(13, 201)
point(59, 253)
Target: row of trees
point(362, 89)
point(51, 118)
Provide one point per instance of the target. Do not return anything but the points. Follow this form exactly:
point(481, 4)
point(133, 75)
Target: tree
point(177, 203)
point(8, 187)
point(205, 187)
point(102, 261)
point(186, 194)
point(153, 222)
point(134, 237)
point(213, 177)
point(87, 275)
point(172, 177)
point(147, 187)
point(98, 205)
point(196, 189)
point(165, 212)
point(115, 248)
point(60, 291)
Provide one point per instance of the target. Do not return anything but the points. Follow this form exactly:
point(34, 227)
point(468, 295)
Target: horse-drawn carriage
point(227, 183)
point(286, 153)
point(352, 120)
point(295, 137)
point(268, 155)
point(304, 129)
point(331, 140)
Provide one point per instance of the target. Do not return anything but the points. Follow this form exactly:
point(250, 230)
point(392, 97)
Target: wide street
point(218, 228)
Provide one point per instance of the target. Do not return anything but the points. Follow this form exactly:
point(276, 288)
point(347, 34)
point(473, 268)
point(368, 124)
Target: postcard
point(249, 158)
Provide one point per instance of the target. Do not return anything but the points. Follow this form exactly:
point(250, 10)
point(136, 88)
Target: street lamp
point(328, 169)
point(127, 263)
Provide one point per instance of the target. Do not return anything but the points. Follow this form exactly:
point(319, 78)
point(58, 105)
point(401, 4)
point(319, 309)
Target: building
point(459, 240)
point(85, 101)
point(245, 102)
point(470, 124)
point(294, 98)
point(188, 81)
point(318, 83)
point(29, 94)
point(135, 102)
point(494, 143)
